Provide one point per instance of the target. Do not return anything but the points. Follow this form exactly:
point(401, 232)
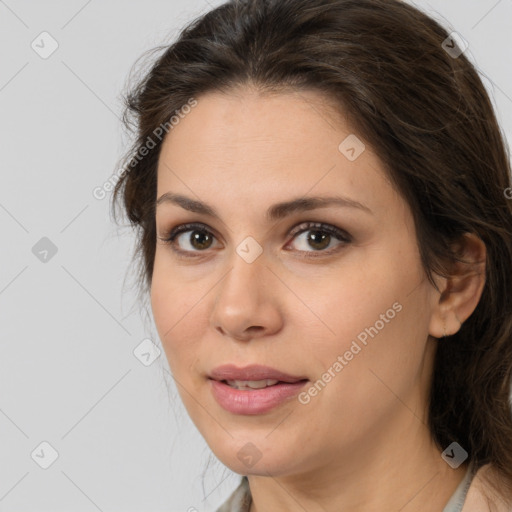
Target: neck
point(392, 468)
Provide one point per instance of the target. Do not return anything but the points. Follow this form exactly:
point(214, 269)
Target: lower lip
point(257, 401)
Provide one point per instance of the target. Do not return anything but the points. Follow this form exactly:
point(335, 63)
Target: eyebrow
point(275, 212)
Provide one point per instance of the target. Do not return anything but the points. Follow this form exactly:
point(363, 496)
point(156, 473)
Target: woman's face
point(344, 314)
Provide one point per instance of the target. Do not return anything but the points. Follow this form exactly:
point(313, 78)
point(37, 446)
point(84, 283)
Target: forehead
point(247, 115)
point(268, 148)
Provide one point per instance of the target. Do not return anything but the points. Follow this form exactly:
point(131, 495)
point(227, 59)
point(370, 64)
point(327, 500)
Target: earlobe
point(462, 289)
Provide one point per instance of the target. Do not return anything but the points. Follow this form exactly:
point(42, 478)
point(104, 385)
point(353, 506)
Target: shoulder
point(481, 497)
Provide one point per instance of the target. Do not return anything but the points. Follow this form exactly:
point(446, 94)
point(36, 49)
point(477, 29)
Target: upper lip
point(251, 372)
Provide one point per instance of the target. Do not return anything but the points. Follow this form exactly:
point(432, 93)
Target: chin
point(255, 455)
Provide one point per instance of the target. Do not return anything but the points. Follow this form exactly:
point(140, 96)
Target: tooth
point(254, 384)
point(251, 384)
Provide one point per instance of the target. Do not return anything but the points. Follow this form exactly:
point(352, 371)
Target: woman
point(320, 189)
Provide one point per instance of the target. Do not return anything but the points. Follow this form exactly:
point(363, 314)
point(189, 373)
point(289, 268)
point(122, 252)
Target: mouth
point(254, 389)
point(254, 376)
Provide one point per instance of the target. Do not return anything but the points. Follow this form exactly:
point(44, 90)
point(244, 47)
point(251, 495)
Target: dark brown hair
point(428, 117)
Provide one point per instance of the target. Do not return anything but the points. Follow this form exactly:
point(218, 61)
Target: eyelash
point(170, 237)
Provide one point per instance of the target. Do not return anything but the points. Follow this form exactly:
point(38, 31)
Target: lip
point(256, 401)
point(251, 372)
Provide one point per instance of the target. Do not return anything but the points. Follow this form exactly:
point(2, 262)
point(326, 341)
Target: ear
point(461, 291)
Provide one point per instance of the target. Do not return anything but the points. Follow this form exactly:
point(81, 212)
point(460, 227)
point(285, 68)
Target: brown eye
point(188, 239)
point(199, 239)
point(320, 236)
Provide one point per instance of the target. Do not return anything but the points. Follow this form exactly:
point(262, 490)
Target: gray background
point(69, 325)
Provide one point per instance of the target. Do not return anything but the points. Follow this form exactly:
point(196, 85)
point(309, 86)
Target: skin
point(361, 444)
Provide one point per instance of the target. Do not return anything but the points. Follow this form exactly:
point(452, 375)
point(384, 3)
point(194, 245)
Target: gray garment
point(459, 496)
point(240, 500)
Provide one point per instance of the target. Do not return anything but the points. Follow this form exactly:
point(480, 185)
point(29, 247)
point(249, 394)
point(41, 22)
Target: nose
point(247, 303)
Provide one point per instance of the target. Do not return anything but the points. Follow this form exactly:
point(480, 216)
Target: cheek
point(381, 328)
point(172, 312)
point(353, 299)
point(370, 313)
